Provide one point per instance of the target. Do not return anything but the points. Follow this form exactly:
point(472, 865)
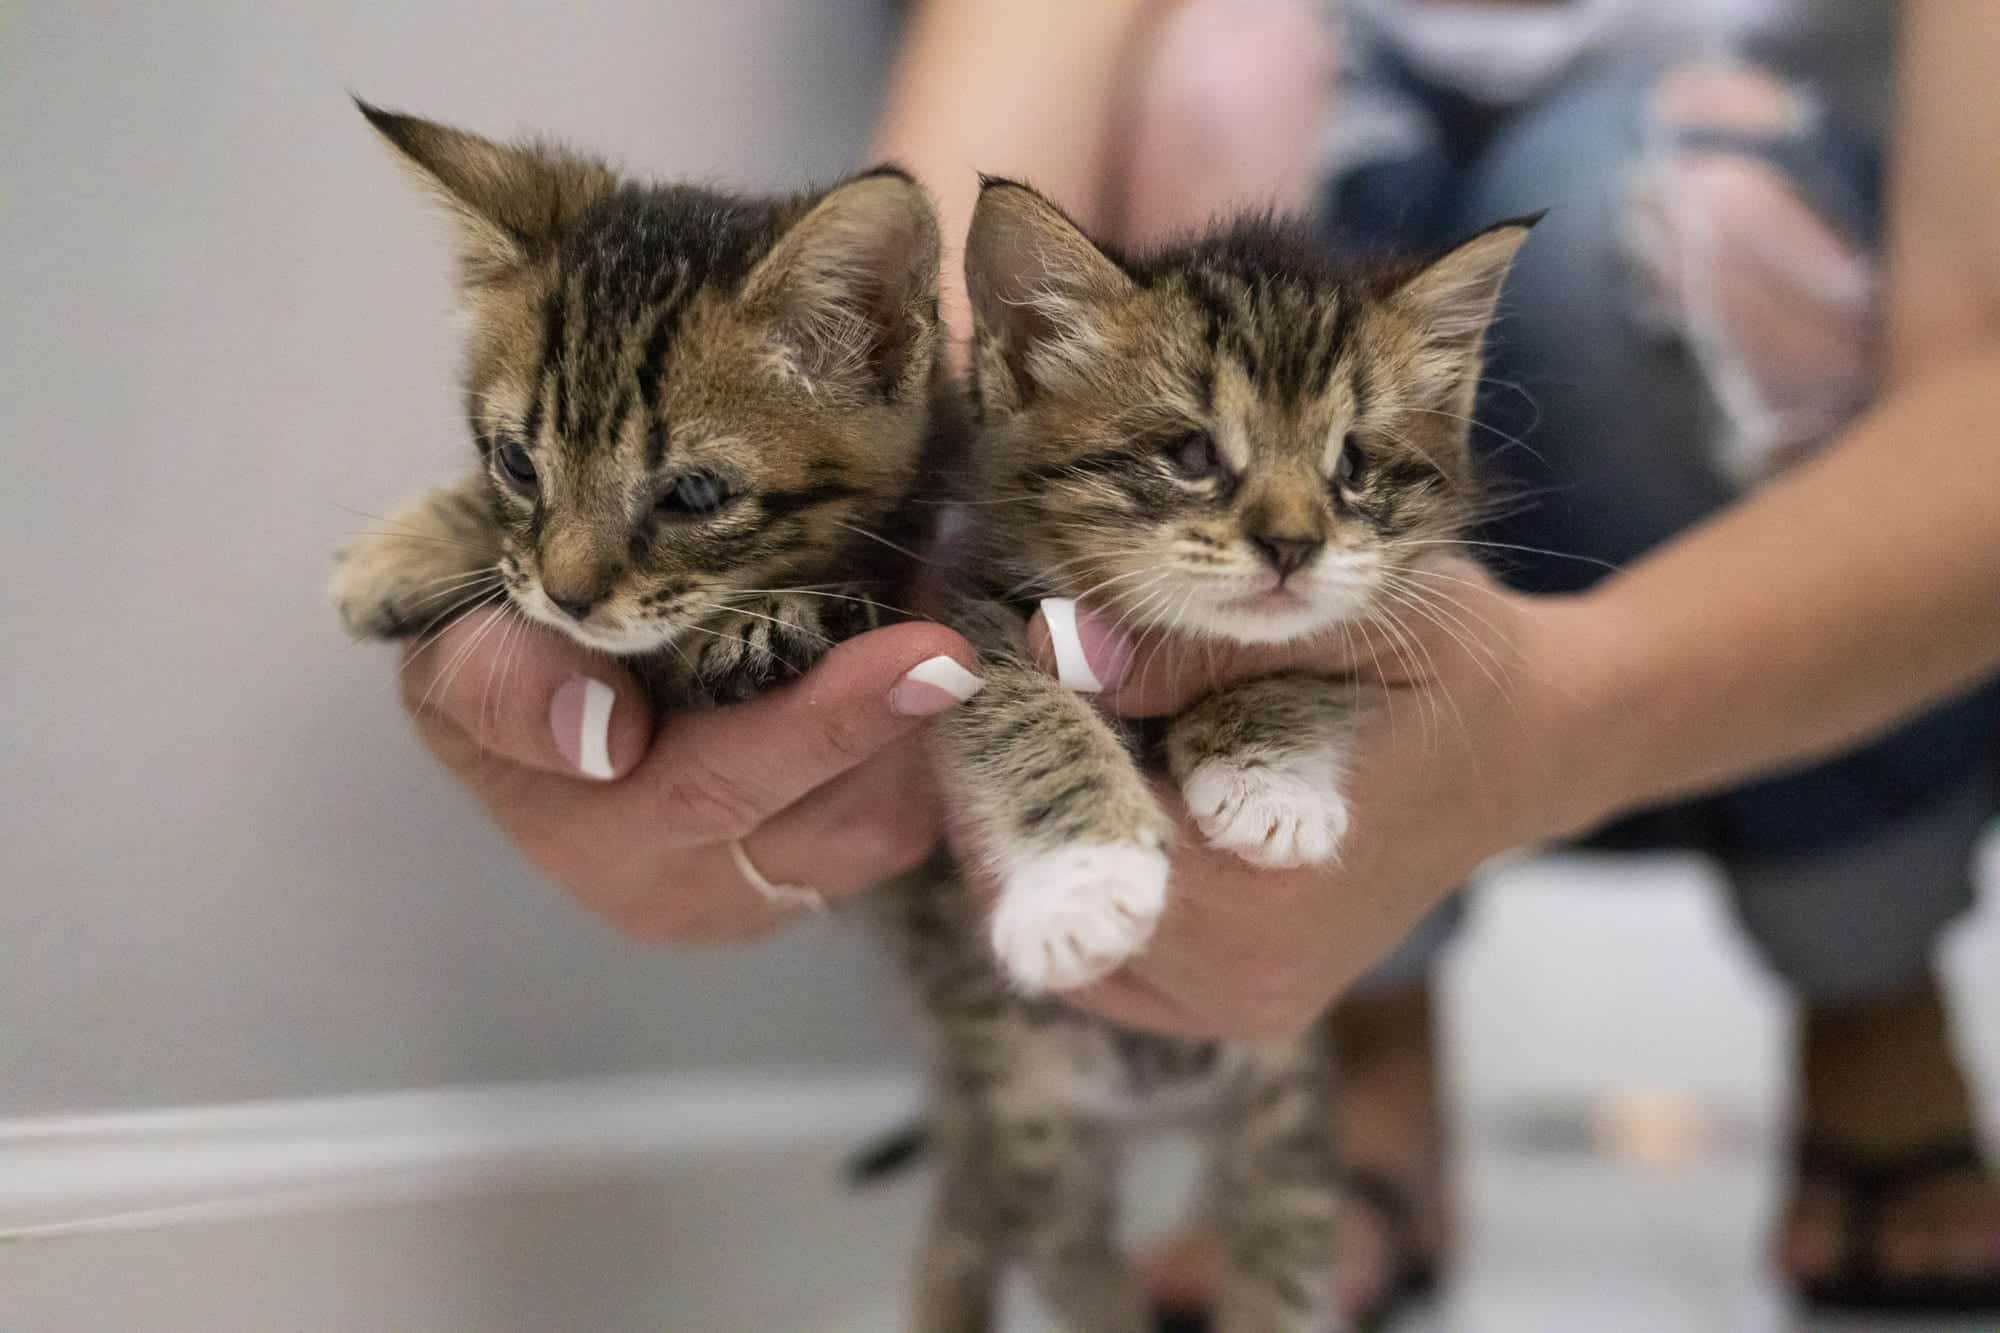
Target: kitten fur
point(1232, 437)
point(696, 411)
point(701, 417)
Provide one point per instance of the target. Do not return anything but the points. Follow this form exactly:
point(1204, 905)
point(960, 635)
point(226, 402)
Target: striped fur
point(635, 352)
point(1229, 438)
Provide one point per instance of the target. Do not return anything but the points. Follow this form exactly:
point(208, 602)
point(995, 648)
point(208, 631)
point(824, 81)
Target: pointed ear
point(510, 202)
point(1039, 286)
point(851, 289)
point(1452, 298)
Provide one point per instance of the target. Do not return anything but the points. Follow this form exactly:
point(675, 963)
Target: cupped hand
point(1473, 738)
point(824, 780)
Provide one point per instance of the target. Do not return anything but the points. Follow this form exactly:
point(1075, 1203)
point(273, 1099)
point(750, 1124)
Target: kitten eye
point(1347, 468)
point(694, 495)
point(1193, 454)
point(514, 461)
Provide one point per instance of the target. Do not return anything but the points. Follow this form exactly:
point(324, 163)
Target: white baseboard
point(67, 1175)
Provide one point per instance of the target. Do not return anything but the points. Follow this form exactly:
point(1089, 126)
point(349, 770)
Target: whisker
point(1505, 546)
point(877, 537)
point(758, 615)
point(788, 664)
point(444, 678)
point(444, 619)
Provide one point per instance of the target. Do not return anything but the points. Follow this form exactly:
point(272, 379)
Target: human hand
point(825, 780)
point(1474, 738)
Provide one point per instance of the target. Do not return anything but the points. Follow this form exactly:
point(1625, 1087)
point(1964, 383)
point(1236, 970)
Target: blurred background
point(288, 1037)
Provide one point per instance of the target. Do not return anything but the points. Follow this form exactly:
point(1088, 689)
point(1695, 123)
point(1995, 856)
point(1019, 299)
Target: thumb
point(1150, 674)
point(720, 773)
point(495, 684)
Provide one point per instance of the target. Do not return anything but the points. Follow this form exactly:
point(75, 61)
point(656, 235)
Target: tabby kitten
point(1232, 438)
point(697, 414)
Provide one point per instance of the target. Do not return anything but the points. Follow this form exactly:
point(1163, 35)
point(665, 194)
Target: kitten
point(701, 417)
point(1233, 438)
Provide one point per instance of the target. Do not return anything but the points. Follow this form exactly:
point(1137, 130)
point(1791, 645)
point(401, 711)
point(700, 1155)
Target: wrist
point(1587, 728)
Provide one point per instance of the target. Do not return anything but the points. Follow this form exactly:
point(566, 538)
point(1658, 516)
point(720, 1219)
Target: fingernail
point(1090, 657)
point(580, 717)
point(931, 686)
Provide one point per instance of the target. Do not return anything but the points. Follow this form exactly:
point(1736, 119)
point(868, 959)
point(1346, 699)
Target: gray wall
point(226, 869)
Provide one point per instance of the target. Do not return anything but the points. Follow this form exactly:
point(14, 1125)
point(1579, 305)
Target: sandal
point(1412, 1278)
point(1870, 1185)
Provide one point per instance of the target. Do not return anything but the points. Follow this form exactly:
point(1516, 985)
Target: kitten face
point(1232, 437)
point(683, 399)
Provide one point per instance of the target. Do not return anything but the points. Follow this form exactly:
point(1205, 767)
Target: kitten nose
point(1287, 554)
point(576, 608)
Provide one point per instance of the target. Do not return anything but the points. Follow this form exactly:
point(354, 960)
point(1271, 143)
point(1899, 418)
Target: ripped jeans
point(1696, 312)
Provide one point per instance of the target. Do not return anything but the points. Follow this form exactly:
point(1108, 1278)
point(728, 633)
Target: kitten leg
point(1053, 1180)
point(1261, 766)
point(430, 559)
point(957, 1264)
point(1278, 1194)
point(1066, 818)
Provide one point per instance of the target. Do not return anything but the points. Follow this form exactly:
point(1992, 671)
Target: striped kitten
point(700, 416)
point(1231, 438)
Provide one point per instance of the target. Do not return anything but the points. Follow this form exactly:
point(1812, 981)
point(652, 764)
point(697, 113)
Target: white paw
point(1274, 815)
point(1068, 918)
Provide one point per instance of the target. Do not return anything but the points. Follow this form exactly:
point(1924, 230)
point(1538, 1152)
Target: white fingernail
point(1072, 667)
point(948, 676)
point(594, 739)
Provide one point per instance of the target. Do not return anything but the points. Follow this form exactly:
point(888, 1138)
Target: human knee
point(1743, 201)
point(1725, 94)
point(1863, 919)
point(1773, 292)
point(1228, 108)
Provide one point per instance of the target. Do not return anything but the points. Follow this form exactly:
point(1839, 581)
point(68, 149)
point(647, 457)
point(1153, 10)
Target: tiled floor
point(1616, 1054)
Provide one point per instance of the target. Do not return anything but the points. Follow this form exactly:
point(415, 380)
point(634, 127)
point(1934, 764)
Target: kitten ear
point(511, 202)
point(851, 289)
point(1038, 285)
point(1452, 298)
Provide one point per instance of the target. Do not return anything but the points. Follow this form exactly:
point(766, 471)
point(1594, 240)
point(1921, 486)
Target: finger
point(845, 837)
point(1435, 606)
point(717, 775)
point(651, 851)
point(1151, 674)
point(871, 823)
point(495, 684)
point(879, 820)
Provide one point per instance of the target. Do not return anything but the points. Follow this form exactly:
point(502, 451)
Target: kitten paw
point(1069, 917)
point(389, 586)
point(1273, 815)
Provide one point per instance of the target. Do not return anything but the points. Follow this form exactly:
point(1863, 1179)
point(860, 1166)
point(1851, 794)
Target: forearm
point(1839, 600)
point(1021, 89)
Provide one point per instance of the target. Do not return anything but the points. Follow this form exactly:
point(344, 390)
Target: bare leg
point(1877, 1079)
point(1775, 301)
point(1224, 111)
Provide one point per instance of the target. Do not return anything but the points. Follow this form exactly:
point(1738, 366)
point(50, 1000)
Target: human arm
point(1865, 583)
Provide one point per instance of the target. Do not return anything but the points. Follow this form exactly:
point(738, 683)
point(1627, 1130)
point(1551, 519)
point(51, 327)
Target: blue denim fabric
point(1598, 424)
